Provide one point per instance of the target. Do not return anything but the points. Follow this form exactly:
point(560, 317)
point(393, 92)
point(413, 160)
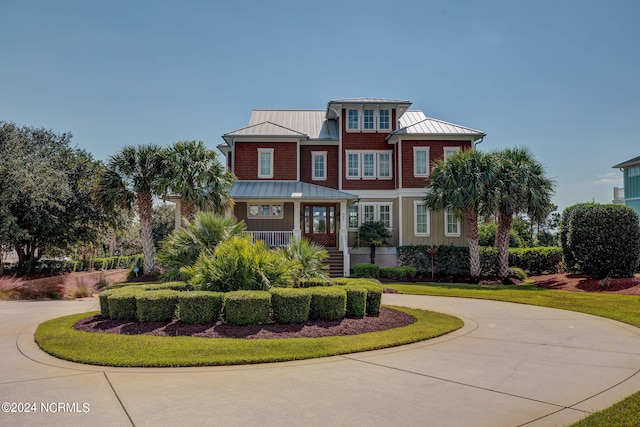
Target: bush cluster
point(332, 301)
point(371, 271)
point(71, 266)
point(398, 273)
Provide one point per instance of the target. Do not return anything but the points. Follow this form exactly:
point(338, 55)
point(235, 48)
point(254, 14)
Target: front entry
point(320, 223)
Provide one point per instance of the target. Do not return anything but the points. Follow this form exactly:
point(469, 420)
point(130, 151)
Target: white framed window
point(318, 165)
point(634, 171)
point(353, 165)
point(369, 164)
point(421, 219)
point(384, 165)
point(368, 120)
point(368, 213)
point(352, 119)
point(421, 161)
point(384, 215)
point(264, 211)
point(265, 162)
point(384, 120)
point(354, 216)
point(449, 151)
point(451, 223)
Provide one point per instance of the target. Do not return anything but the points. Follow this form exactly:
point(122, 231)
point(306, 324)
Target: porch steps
point(335, 261)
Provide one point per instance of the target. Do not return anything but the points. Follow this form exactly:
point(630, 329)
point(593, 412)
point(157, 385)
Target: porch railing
point(618, 195)
point(272, 238)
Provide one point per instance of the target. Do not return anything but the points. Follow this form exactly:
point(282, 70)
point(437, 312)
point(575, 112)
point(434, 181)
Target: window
point(353, 165)
point(421, 161)
point(384, 122)
point(352, 120)
point(369, 212)
point(368, 164)
point(634, 171)
point(265, 211)
point(421, 223)
point(265, 162)
point(369, 122)
point(451, 223)
point(319, 165)
point(449, 151)
point(353, 216)
point(384, 165)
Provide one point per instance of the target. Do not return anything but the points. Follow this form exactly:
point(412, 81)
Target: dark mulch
point(584, 283)
point(387, 319)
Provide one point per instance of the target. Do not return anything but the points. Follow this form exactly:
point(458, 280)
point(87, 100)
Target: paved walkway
point(511, 365)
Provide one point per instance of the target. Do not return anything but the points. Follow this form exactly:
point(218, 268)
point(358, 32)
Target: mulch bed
point(584, 283)
point(387, 319)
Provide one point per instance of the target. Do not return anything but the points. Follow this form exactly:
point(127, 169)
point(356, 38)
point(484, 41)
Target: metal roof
point(369, 101)
point(295, 190)
point(308, 122)
point(415, 122)
point(632, 162)
point(265, 129)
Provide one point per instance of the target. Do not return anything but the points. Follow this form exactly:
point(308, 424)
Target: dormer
point(367, 114)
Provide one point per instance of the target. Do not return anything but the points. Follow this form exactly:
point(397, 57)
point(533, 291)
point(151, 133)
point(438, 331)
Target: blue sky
point(560, 77)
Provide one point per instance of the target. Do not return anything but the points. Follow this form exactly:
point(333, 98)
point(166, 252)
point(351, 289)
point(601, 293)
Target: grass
point(58, 338)
point(624, 308)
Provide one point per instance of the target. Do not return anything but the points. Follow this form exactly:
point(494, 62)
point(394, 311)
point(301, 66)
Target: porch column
point(342, 245)
point(296, 220)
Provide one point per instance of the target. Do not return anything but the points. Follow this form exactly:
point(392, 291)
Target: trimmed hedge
point(122, 303)
point(176, 286)
point(328, 303)
point(356, 301)
point(312, 283)
point(290, 305)
point(104, 303)
point(156, 305)
point(366, 270)
point(247, 307)
point(537, 260)
point(374, 292)
point(199, 306)
point(398, 273)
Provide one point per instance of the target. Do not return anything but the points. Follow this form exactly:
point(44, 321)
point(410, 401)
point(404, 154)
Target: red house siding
point(306, 167)
point(436, 152)
point(285, 159)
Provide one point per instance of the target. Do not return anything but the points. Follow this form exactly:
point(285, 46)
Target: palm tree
point(309, 256)
point(519, 186)
point(376, 234)
point(132, 178)
point(184, 245)
point(194, 172)
point(459, 184)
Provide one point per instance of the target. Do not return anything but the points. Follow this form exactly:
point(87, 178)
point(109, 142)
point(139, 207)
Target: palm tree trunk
point(145, 210)
point(187, 210)
point(372, 254)
point(502, 242)
point(473, 239)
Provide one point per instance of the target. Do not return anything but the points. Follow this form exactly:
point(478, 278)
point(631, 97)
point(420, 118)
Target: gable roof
point(311, 123)
point(285, 190)
point(416, 123)
point(265, 129)
point(369, 101)
point(632, 162)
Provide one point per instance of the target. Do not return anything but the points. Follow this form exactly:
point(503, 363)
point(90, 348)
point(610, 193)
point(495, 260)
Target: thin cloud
point(610, 178)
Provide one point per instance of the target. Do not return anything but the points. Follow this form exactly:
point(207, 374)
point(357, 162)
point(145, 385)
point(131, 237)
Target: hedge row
point(70, 266)
point(375, 272)
point(150, 303)
point(454, 260)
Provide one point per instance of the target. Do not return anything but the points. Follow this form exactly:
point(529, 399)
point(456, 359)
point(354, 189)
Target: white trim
point(376, 212)
point(358, 121)
point(446, 225)
point(373, 120)
point(416, 233)
point(313, 165)
point(376, 161)
point(449, 151)
point(378, 119)
point(262, 151)
point(415, 162)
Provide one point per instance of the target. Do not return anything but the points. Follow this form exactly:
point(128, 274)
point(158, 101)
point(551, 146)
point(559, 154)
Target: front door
point(320, 223)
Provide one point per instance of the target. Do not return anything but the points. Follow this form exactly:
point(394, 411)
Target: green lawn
point(57, 337)
point(624, 308)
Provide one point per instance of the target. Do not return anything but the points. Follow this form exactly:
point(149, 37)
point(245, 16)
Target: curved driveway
point(510, 365)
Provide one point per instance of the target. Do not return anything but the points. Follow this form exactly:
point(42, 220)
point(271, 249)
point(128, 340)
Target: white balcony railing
point(618, 195)
point(272, 238)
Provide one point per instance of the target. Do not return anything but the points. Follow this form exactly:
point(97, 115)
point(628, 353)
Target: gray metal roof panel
point(415, 122)
point(265, 129)
point(369, 101)
point(632, 162)
point(286, 190)
point(309, 122)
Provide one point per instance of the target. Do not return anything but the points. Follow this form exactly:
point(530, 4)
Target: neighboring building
point(319, 174)
point(629, 194)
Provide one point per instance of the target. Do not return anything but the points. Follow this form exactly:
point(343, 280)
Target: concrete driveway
point(510, 365)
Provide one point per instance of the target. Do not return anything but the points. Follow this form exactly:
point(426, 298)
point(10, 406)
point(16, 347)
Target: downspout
point(475, 144)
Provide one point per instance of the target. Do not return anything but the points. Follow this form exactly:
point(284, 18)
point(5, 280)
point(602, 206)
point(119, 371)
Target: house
point(320, 174)
point(629, 194)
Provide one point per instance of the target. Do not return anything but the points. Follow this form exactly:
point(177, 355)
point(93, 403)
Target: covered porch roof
point(280, 190)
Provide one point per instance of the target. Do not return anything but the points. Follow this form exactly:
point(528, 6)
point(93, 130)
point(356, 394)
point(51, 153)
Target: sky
point(560, 77)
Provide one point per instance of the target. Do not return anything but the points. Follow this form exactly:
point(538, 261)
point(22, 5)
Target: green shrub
point(516, 273)
point(156, 305)
point(366, 270)
point(176, 286)
point(247, 307)
point(356, 301)
point(374, 291)
point(604, 240)
point(328, 303)
point(312, 283)
point(398, 273)
point(543, 259)
point(199, 306)
point(290, 305)
point(104, 303)
point(122, 303)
